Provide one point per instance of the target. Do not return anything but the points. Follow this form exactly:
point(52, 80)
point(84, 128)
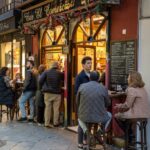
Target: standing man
point(29, 90)
point(83, 77)
point(51, 81)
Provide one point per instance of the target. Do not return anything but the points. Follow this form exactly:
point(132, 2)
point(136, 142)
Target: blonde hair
point(136, 80)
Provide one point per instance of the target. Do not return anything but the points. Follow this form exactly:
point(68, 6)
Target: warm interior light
point(14, 41)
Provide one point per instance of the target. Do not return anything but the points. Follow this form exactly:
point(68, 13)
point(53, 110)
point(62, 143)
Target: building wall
point(35, 49)
point(5, 2)
point(124, 16)
point(144, 52)
point(2, 3)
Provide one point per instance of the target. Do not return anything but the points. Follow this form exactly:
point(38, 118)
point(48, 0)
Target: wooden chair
point(9, 111)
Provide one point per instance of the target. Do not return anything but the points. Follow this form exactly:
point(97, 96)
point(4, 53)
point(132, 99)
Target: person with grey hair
point(51, 82)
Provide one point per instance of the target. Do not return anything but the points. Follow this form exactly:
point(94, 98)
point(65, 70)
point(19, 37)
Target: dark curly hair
point(86, 58)
point(3, 71)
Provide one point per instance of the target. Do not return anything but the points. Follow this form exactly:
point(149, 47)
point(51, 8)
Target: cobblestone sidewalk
point(24, 136)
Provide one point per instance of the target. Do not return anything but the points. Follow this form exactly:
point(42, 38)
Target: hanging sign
point(45, 10)
point(7, 25)
point(84, 2)
point(57, 6)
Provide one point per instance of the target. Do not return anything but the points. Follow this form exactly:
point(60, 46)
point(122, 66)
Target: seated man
point(92, 100)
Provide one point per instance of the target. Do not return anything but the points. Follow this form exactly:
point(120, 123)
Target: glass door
point(79, 52)
point(83, 51)
point(54, 54)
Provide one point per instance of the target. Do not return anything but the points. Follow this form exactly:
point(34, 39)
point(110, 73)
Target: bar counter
point(116, 98)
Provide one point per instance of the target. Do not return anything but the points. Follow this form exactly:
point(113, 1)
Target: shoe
point(40, 124)
point(49, 126)
point(85, 147)
point(56, 125)
point(30, 120)
point(80, 147)
point(22, 119)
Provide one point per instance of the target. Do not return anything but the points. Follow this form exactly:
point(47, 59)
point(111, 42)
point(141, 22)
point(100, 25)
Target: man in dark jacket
point(51, 81)
point(83, 77)
point(29, 90)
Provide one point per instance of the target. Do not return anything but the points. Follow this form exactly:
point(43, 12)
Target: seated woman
point(6, 93)
point(136, 104)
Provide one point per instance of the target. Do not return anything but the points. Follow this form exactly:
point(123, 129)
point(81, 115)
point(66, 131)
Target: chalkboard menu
point(123, 60)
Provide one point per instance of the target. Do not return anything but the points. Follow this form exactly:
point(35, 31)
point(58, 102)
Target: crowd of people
point(93, 99)
point(42, 88)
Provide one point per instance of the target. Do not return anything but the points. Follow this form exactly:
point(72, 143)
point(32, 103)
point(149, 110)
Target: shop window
point(80, 35)
point(85, 51)
point(23, 59)
point(54, 54)
point(90, 40)
point(16, 57)
point(6, 55)
point(87, 29)
point(54, 37)
point(52, 43)
point(11, 57)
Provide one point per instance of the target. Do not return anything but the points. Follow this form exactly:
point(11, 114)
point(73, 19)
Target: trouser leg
point(56, 106)
point(48, 105)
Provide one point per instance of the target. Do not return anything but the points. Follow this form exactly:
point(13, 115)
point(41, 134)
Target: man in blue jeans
point(29, 90)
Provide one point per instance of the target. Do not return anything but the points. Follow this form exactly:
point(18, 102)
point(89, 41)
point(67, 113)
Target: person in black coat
point(51, 83)
point(40, 97)
point(6, 93)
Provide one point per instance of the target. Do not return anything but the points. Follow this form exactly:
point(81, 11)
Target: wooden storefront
point(67, 32)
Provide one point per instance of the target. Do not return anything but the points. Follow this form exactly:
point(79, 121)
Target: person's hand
point(117, 115)
point(12, 83)
point(117, 106)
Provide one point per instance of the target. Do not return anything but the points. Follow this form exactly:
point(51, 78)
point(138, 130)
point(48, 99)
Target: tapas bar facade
point(68, 31)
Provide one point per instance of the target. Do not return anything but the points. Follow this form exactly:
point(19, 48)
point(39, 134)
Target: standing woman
point(40, 98)
point(6, 93)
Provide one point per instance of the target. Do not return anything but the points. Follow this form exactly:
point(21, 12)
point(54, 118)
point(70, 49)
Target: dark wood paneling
point(28, 43)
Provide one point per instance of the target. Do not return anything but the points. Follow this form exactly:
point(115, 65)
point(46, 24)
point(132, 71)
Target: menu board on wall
point(123, 60)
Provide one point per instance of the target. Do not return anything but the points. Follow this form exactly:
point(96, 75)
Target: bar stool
point(141, 123)
point(97, 137)
point(16, 109)
point(8, 110)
